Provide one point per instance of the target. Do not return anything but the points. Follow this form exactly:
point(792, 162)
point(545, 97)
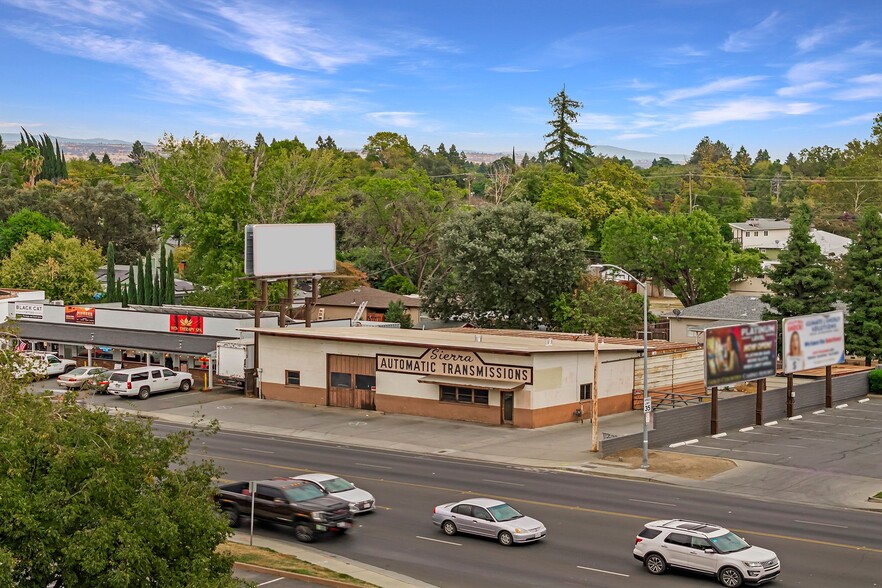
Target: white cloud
point(631, 136)
point(820, 35)
point(715, 87)
point(747, 39)
point(745, 109)
point(257, 96)
point(802, 89)
point(93, 12)
point(864, 87)
point(597, 122)
point(396, 119)
point(512, 69)
point(813, 71)
point(644, 100)
point(855, 120)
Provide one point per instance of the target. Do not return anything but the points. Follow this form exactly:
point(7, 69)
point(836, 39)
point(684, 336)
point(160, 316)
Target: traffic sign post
point(647, 404)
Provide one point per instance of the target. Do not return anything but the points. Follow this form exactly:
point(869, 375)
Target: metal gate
point(352, 381)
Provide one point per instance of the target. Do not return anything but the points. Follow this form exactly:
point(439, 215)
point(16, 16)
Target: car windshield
point(78, 372)
point(303, 492)
point(504, 512)
point(119, 377)
point(729, 543)
point(337, 485)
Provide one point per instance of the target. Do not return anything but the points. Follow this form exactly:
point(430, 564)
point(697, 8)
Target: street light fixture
point(600, 266)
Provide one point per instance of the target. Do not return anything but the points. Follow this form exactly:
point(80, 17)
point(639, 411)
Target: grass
point(879, 496)
point(268, 558)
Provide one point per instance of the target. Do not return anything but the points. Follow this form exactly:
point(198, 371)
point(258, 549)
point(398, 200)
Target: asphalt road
point(592, 521)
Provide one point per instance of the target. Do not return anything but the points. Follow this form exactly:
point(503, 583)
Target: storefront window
point(292, 378)
point(365, 382)
point(339, 380)
point(465, 395)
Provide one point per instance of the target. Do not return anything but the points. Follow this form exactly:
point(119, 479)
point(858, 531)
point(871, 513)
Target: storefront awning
point(471, 383)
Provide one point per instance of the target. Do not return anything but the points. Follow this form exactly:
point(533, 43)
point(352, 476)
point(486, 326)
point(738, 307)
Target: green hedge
point(876, 381)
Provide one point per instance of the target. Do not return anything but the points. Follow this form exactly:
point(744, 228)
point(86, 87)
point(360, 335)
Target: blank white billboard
point(290, 250)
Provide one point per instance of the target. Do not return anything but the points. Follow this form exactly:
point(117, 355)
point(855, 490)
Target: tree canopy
point(565, 146)
point(64, 267)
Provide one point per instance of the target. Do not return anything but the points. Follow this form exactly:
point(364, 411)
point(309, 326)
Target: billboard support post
point(828, 397)
point(790, 398)
point(760, 384)
point(715, 407)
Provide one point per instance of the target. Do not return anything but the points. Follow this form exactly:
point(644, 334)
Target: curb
point(294, 575)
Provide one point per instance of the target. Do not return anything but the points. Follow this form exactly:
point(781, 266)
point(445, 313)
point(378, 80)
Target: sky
point(652, 75)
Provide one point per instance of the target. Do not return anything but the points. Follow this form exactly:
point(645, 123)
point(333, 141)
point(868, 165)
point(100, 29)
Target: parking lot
point(846, 439)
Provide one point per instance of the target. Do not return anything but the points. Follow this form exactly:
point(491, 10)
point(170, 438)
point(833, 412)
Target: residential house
point(688, 325)
point(345, 305)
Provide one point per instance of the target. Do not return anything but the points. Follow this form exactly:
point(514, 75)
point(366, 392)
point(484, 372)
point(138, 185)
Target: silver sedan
point(489, 518)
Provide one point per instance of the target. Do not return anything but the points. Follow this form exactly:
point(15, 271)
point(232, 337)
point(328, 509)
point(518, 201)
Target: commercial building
point(525, 379)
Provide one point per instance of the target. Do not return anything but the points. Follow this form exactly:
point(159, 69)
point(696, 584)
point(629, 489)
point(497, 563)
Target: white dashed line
point(651, 502)
point(821, 524)
point(603, 571)
point(506, 483)
point(256, 450)
point(439, 541)
point(371, 465)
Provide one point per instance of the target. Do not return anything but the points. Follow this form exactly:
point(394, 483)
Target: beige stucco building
point(500, 378)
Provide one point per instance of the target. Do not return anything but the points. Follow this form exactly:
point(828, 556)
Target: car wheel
point(185, 385)
point(144, 393)
point(448, 527)
point(505, 538)
point(233, 515)
point(656, 564)
point(304, 533)
point(730, 577)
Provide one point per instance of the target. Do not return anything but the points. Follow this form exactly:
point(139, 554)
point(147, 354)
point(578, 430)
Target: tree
point(162, 289)
point(62, 522)
point(389, 150)
point(131, 293)
point(565, 146)
point(397, 313)
point(863, 276)
point(599, 306)
point(137, 153)
point(506, 265)
point(53, 165)
point(33, 164)
point(142, 291)
point(170, 282)
point(683, 252)
point(106, 159)
point(801, 283)
point(399, 285)
point(2, 146)
point(64, 267)
point(148, 280)
point(17, 227)
point(112, 295)
point(93, 158)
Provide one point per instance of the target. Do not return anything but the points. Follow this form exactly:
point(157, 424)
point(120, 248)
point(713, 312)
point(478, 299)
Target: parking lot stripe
point(603, 571)
point(756, 452)
point(270, 581)
point(439, 541)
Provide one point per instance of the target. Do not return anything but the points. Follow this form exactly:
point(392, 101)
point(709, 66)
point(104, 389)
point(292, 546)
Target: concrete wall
point(688, 422)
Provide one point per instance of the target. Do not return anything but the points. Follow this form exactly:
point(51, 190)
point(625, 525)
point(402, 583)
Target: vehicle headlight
point(317, 516)
point(753, 564)
point(518, 530)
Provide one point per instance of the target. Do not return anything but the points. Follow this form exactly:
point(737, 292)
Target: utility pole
point(690, 191)
point(776, 186)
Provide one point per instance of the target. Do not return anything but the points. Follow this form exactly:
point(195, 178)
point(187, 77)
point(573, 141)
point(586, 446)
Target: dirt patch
point(279, 561)
point(694, 467)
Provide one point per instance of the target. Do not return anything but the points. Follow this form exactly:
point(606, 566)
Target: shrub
point(876, 381)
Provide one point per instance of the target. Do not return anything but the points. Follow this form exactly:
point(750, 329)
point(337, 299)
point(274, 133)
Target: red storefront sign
point(182, 323)
point(83, 315)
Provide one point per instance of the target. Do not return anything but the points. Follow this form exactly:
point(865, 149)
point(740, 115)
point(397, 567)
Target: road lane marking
point(756, 452)
point(506, 483)
point(372, 465)
point(439, 540)
point(572, 508)
point(821, 524)
point(257, 450)
point(651, 502)
point(603, 571)
point(271, 581)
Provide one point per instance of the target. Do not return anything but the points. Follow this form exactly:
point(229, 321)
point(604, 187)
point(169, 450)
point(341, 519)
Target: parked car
point(490, 518)
point(705, 548)
point(39, 365)
point(304, 506)
point(80, 377)
point(144, 381)
point(360, 501)
point(101, 382)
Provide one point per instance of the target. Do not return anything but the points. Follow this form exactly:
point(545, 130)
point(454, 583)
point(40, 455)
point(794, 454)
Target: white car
point(360, 501)
point(80, 377)
point(707, 549)
point(41, 365)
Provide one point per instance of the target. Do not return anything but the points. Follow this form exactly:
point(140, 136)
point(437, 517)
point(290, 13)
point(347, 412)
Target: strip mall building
point(522, 378)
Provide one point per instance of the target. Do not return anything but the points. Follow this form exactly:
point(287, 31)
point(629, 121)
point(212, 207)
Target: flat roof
point(656, 345)
point(464, 339)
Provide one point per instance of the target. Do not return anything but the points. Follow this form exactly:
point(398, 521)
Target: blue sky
point(653, 76)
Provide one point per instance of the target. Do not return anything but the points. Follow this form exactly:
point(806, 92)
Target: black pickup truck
point(301, 504)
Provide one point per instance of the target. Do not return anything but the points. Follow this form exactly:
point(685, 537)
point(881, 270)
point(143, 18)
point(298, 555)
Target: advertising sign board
point(813, 341)
point(290, 250)
point(740, 353)
point(182, 323)
point(29, 310)
point(83, 315)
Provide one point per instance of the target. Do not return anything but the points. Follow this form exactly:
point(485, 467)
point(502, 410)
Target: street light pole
point(646, 413)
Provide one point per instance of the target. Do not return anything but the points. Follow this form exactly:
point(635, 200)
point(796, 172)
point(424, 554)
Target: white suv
point(704, 548)
point(144, 381)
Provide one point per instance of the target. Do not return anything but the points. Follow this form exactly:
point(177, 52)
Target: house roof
point(657, 345)
point(831, 244)
point(736, 308)
point(762, 224)
point(375, 298)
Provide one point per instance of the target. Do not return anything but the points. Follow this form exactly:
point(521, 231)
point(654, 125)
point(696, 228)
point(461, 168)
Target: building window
point(756, 233)
point(765, 233)
point(585, 392)
point(339, 380)
point(465, 395)
point(365, 382)
point(292, 378)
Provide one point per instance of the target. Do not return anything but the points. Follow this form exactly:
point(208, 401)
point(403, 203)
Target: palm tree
point(32, 164)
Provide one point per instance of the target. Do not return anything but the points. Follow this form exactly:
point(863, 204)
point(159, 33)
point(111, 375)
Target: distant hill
point(12, 139)
point(639, 158)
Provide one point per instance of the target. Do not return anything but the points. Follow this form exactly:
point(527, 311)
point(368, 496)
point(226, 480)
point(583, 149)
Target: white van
point(147, 380)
